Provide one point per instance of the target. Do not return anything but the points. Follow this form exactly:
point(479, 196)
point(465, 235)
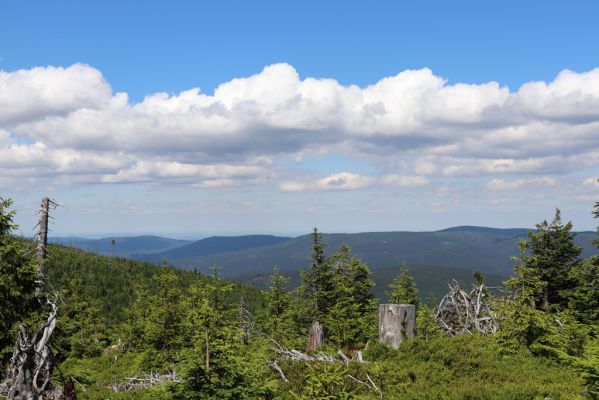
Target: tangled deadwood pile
point(466, 312)
point(30, 369)
point(295, 355)
point(145, 382)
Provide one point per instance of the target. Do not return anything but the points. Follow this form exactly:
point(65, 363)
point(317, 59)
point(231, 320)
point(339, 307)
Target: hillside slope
point(112, 280)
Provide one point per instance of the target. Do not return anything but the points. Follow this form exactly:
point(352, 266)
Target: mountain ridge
point(464, 247)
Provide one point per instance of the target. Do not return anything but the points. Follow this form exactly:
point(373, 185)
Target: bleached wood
point(316, 336)
point(42, 244)
point(464, 312)
point(397, 322)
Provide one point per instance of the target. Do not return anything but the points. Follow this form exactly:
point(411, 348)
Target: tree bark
point(316, 336)
point(396, 323)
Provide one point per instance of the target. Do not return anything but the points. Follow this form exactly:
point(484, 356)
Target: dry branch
point(370, 384)
point(276, 367)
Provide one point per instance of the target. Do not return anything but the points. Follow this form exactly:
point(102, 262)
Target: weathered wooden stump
point(396, 323)
point(316, 336)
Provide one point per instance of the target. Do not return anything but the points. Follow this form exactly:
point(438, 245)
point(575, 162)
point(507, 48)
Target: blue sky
point(349, 116)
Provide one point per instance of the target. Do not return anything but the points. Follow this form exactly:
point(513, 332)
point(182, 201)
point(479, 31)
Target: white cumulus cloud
point(67, 124)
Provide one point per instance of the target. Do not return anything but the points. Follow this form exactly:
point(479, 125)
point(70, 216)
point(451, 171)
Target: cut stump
point(316, 336)
point(396, 323)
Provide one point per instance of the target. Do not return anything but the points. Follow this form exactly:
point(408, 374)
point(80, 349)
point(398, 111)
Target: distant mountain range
point(433, 257)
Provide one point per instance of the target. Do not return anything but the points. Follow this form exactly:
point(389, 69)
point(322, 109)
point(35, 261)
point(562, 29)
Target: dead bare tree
point(246, 322)
point(42, 245)
point(32, 362)
point(465, 312)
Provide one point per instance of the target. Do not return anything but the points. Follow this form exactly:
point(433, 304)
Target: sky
point(189, 119)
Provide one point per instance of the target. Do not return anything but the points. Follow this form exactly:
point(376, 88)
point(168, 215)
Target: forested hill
point(113, 281)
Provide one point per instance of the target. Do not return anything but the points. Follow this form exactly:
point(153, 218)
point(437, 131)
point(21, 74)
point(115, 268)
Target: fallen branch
point(276, 367)
point(374, 386)
point(152, 379)
point(370, 384)
point(346, 360)
point(296, 355)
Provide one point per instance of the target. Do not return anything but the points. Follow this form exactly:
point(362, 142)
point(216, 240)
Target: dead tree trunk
point(32, 361)
point(42, 244)
point(245, 322)
point(396, 323)
point(207, 358)
point(316, 336)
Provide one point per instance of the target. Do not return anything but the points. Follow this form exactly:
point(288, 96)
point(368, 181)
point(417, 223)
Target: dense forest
point(131, 330)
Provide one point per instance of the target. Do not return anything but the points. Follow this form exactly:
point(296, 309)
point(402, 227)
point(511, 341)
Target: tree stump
point(396, 323)
point(316, 336)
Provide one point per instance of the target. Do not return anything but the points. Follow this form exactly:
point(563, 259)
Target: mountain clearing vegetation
point(131, 330)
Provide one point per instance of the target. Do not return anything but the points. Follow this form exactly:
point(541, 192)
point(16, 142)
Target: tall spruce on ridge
point(336, 289)
point(551, 255)
point(318, 283)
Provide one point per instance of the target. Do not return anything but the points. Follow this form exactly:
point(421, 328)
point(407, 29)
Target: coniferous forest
point(126, 329)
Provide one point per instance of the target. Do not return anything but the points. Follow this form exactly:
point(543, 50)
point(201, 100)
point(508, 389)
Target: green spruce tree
point(318, 283)
point(217, 369)
point(551, 254)
point(351, 319)
point(403, 289)
point(277, 322)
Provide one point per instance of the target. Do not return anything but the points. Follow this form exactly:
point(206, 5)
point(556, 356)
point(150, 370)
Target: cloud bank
point(67, 126)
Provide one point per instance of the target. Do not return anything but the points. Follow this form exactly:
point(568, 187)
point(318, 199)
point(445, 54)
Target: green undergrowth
point(93, 376)
point(466, 367)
